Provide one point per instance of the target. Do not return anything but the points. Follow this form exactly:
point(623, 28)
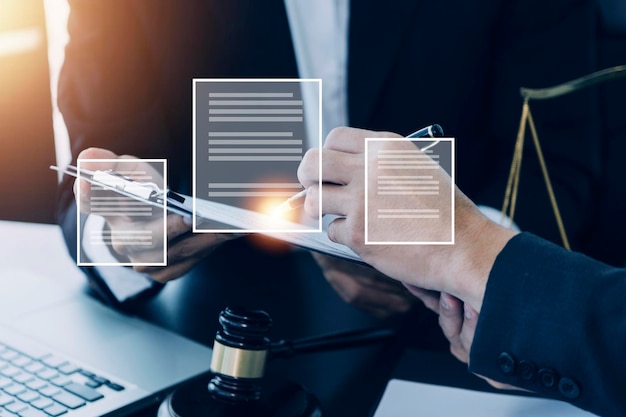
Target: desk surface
point(286, 284)
point(289, 286)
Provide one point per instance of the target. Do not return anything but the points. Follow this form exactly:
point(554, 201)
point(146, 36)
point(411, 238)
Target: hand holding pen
point(343, 161)
point(297, 200)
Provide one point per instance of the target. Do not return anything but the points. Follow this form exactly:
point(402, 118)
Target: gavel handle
point(331, 341)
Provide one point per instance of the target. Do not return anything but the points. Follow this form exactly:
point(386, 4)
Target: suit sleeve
point(109, 95)
point(554, 322)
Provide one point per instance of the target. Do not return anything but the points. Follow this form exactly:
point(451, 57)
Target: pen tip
point(436, 131)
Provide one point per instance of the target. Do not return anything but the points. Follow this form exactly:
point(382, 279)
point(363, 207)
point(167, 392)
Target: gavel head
point(240, 351)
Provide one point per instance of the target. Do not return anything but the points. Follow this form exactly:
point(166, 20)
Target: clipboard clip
point(116, 182)
point(147, 192)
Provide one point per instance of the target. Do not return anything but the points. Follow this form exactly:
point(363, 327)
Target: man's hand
point(460, 269)
point(458, 322)
point(449, 279)
point(364, 287)
point(185, 248)
point(456, 319)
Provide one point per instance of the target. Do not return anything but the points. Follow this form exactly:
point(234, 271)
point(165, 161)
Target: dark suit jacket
point(126, 83)
point(554, 322)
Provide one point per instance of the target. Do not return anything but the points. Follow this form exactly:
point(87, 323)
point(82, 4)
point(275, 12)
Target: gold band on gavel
point(237, 363)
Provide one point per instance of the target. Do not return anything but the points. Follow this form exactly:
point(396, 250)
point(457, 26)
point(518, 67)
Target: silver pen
point(297, 200)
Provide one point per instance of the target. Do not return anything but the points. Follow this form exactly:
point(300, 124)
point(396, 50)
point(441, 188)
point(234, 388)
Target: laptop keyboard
point(40, 384)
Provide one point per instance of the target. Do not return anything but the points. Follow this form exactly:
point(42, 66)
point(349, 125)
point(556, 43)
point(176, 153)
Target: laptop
point(64, 353)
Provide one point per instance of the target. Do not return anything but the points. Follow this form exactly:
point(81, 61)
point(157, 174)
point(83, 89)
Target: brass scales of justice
point(510, 195)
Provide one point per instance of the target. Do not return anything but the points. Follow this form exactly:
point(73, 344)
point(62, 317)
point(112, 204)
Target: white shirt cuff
point(498, 217)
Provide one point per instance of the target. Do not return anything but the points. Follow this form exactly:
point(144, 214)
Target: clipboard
point(181, 204)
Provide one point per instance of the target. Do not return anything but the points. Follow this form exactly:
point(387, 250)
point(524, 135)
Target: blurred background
point(33, 35)
point(32, 38)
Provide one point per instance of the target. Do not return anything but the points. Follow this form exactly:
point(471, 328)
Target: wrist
point(476, 259)
point(467, 264)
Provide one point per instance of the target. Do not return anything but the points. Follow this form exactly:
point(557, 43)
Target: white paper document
point(252, 220)
point(407, 398)
point(212, 212)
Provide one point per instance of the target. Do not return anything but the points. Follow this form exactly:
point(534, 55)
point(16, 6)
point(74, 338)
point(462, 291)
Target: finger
point(500, 385)
point(450, 316)
point(138, 254)
point(90, 158)
point(177, 225)
point(137, 169)
point(469, 327)
point(145, 245)
point(86, 160)
point(337, 231)
point(348, 231)
point(93, 159)
point(309, 168)
point(312, 202)
point(82, 190)
point(97, 159)
point(428, 297)
point(336, 199)
point(336, 167)
point(172, 271)
point(140, 260)
point(347, 139)
point(451, 323)
point(341, 167)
